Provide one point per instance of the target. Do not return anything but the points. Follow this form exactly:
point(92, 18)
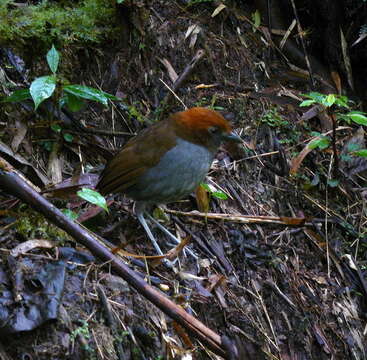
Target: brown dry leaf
point(91, 212)
point(297, 161)
point(337, 81)
point(321, 280)
point(193, 31)
point(122, 252)
point(202, 199)
point(218, 9)
point(21, 131)
point(171, 71)
point(68, 188)
point(346, 58)
point(183, 335)
point(204, 86)
point(29, 245)
point(173, 253)
point(294, 221)
point(18, 161)
point(54, 169)
point(215, 281)
point(310, 113)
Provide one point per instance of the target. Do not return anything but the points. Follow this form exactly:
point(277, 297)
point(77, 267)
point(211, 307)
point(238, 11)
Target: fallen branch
point(12, 183)
point(183, 76)
point(249, 219)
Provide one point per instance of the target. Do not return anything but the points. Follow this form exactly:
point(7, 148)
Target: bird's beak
point(231, 137)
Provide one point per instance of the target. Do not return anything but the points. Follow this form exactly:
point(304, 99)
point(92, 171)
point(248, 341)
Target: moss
point(87, 21)
point(33, 225)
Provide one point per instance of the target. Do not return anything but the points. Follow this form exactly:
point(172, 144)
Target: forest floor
point(288, 284)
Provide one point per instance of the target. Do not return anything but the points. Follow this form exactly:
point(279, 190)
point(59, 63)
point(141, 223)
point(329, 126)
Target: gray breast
point(178, 173)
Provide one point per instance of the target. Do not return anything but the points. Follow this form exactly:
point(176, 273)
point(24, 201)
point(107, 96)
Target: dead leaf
point(54, 169)
point(203, 86)
point(68, 188)
point(218, 9)
point(193, 32)
point(346, 58)
point(297, 161)
point(353, 165)
point(171, 71)
point(202, 199)
point(29, 245)
point(18, 162)
point(21, 131)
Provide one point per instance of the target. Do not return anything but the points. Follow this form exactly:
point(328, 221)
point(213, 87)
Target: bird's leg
point(140, 216)
point(167, 232)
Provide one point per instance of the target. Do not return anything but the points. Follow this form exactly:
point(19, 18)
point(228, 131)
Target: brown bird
point(167, 161)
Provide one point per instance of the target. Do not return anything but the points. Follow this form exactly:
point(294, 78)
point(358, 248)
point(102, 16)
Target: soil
point(289, 283)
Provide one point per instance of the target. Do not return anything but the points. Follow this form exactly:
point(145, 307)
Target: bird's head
point(204, 127)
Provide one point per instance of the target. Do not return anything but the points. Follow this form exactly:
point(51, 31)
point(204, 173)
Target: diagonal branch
point(14, 184)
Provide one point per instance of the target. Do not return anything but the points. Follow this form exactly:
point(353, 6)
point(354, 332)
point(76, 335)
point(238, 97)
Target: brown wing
point(137, 155)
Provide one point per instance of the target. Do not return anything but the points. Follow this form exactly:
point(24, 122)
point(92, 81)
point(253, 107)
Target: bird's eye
point(213, 130)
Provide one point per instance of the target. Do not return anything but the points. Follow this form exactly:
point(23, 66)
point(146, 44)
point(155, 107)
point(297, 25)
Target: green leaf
point(89, 93)
point(120, 1)
point(321, 143)
point(317, 97)
point(362, 153)
point(342, 101)
point(68, 137)
point(42, 88)
point(333, 182)
point(74, 103)
point(93, 197)
point(206, 187)
point(56, 128)
point(220, 195)
point(329, 100)
point(53, 58)
point(18, 95)
point(256, 18)
point(307, 103)
point(70, 214)
point(358, 117)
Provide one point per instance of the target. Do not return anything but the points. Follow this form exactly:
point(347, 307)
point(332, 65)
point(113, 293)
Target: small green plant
point(94, 197)
point(81, 330)
point(273, 119)
point(337, 106)
point(256, 19)
point(65, 94)
point(214, 192)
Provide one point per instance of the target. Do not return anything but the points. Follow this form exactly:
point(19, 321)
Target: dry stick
point(300, 32)
point(188, 69)
point(247, 219)
point(184, 75)
point(14, 184)
point(111, 323)
point(335, 151)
